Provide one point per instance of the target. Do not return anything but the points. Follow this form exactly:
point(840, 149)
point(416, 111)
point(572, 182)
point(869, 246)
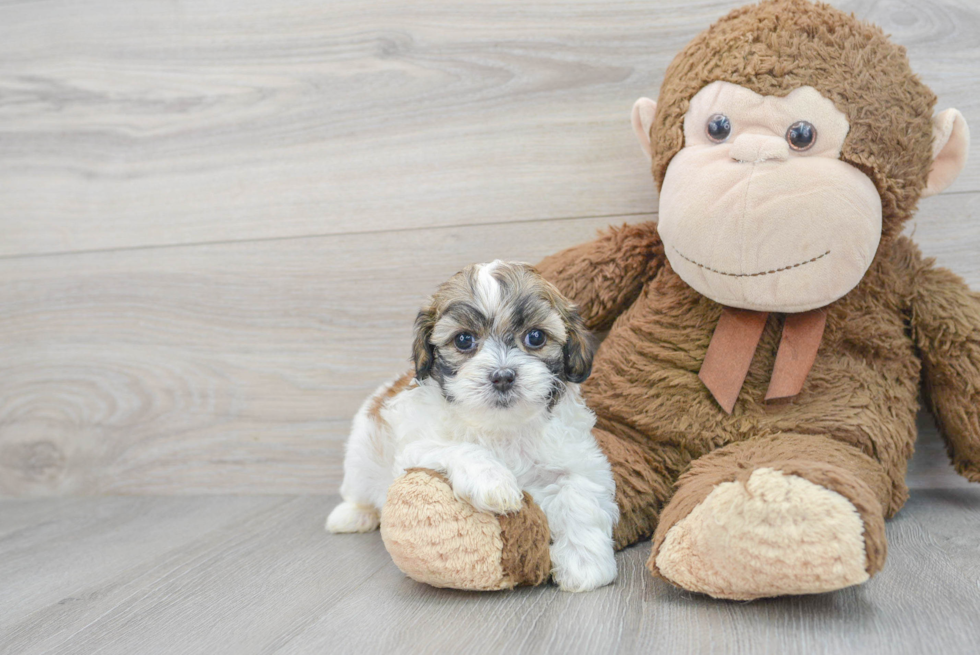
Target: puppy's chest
point(515, 451)
point(531, 457)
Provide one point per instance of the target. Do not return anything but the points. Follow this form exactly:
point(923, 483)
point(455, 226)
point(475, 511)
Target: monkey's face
point(758, 211)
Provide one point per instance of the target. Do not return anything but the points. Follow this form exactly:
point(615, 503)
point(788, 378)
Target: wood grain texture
point(217, 223)
point(236, 368)
point(160, 123)
point(231, 368)
point(258, 575)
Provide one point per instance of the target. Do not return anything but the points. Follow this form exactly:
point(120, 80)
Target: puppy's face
point(498, 338)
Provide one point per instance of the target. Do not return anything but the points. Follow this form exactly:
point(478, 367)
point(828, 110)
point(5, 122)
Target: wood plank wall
point(218, 219)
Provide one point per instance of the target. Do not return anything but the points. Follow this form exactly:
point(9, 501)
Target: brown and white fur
point(499, 412)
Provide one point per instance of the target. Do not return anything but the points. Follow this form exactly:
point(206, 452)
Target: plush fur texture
point(500, 414)
point(852, 428)
point(654, 417)
point(825, 463)
point(751, 223)
point(857, 405)
point(838, 451)
point(771, 534)
point(776, 47)
point(446, 542)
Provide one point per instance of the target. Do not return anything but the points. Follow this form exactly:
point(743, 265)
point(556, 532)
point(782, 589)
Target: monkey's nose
point(754, 148)
point(503, 379)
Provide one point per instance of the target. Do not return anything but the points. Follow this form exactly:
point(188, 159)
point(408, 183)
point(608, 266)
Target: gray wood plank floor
point(258, 574)
point(227, 574)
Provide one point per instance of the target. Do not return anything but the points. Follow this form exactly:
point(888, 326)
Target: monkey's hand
point(436, 538)
point(945, 320)
point(604, 277)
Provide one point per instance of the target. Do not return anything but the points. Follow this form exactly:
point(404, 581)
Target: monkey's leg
point(435, 538)
point(644, 473)
point(772, 516)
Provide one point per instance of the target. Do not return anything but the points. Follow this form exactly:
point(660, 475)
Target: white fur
point(475, 397)
point(490, 456)
point(488, 294)
point(492, 448)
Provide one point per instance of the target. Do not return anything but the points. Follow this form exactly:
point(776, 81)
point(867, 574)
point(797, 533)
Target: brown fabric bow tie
point(733, 345)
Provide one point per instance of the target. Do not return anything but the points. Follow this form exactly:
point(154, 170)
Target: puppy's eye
point(718, 128)
point(464, 341)
point(801, 135)
point(534, 339)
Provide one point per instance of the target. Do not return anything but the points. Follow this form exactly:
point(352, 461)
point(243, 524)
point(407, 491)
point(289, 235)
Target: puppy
point(494, 404)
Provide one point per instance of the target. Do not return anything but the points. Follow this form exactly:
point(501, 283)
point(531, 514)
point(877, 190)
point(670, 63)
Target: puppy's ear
point(579, 348)
point(423, 352)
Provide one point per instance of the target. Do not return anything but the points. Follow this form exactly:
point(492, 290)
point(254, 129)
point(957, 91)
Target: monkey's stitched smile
point(770, 272)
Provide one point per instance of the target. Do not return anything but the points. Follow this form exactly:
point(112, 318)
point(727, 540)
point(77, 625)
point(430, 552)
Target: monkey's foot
point(769, 534)
point(435, 538)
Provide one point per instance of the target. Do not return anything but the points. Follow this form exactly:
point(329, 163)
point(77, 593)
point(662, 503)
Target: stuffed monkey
point(769, 336)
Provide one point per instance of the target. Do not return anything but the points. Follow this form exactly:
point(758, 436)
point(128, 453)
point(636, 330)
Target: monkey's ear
point(579, 349)
point(644, 110)
point(423, 352)
point(950, 147)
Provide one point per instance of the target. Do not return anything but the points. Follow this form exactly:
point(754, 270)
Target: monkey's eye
point(534, 339)
point(718, 128)
point(801, 135)
point(464, 341)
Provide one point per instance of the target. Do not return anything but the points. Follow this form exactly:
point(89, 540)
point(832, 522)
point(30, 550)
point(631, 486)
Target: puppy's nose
point(503, 378)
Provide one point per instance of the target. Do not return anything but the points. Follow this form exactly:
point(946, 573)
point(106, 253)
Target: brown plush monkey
point(757, 391)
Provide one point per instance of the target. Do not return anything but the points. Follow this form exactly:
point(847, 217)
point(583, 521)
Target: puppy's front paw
point(489, 489)
point(575, 568)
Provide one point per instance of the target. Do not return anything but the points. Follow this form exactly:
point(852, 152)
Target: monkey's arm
point(604, 277)
point(946, 324)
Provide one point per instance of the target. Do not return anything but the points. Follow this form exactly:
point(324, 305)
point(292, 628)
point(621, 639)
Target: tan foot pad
point(435, 538)
point(772, 536)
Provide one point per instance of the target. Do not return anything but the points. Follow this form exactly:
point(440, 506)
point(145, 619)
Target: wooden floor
point(258, 574)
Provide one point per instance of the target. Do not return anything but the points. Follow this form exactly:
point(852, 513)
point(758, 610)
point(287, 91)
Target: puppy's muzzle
point(503, 379)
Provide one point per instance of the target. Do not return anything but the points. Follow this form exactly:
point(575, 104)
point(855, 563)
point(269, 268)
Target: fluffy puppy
point(494, 404)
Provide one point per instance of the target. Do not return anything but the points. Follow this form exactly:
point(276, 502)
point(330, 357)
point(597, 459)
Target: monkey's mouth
point(760, 273)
